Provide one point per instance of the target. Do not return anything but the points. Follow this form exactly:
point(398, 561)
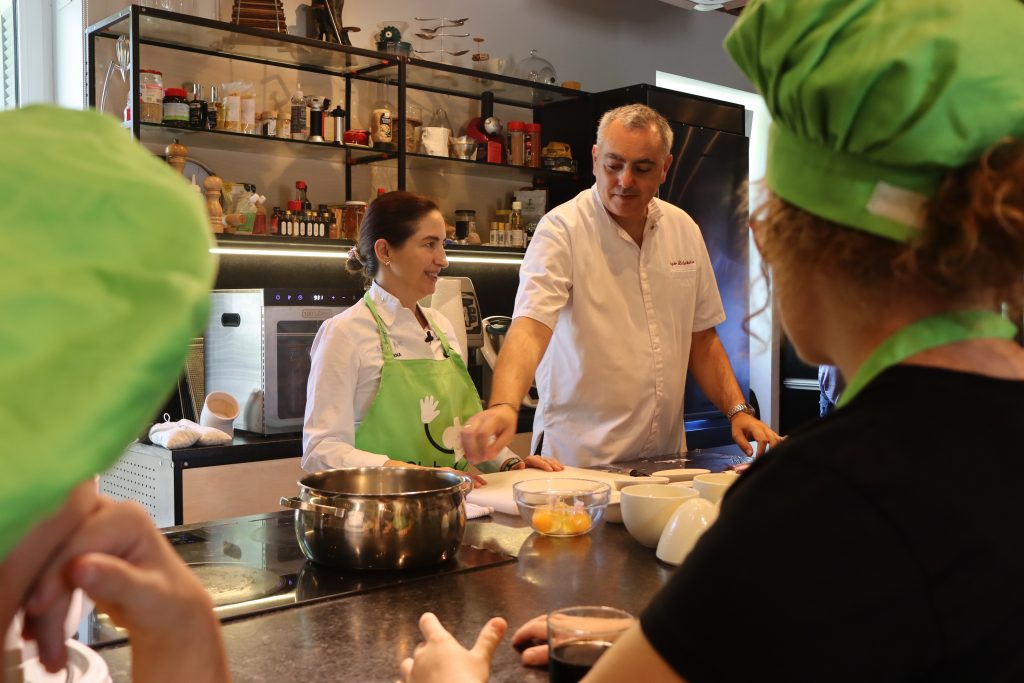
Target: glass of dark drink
point(577, 636)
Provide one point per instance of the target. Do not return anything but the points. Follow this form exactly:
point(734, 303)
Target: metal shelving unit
point(145, 26)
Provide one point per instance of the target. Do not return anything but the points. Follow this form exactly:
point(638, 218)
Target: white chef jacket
point(611, 383)
point(344, 376)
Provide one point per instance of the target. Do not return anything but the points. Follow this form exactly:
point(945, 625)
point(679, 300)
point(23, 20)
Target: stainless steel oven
point(256, 348)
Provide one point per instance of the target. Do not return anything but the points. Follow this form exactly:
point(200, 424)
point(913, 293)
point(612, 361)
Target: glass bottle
point(515, 225)
point(214, 115)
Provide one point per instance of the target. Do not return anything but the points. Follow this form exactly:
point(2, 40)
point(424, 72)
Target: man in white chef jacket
point(617, 288)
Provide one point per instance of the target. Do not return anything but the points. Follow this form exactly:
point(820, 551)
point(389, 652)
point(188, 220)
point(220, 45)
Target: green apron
point(924, 334)
point(420, 406)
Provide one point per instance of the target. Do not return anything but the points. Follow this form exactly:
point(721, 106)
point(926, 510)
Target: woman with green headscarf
point(863, 548)
point(104, 277)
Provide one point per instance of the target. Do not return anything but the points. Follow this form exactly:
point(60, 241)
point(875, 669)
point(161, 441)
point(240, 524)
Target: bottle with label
point(175, 108)
point(299, 128)
point(197, 108)
point(275, 221)
point(214, 118)
point(515, 225)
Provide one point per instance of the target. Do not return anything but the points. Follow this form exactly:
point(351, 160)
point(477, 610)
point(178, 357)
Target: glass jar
point(536, 69)
point(516, 143)
point(465, 223)
point(354, 212)
point(175, 108)
point(151, 96)
point(532, 146)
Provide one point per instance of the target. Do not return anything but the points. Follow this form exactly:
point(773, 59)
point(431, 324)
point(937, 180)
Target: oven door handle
point(298, 504)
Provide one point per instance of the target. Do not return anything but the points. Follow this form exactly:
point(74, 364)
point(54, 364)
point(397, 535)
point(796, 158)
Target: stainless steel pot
point(380, 517)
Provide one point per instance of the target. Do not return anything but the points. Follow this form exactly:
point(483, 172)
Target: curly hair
point(972, 243)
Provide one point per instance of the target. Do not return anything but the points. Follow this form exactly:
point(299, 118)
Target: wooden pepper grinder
point(177, 155)
point(212, 185)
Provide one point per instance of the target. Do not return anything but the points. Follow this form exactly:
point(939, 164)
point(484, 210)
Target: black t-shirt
point(882, 543)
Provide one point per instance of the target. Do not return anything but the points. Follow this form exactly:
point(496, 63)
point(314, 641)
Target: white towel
point(184, 433)
point(474, 511)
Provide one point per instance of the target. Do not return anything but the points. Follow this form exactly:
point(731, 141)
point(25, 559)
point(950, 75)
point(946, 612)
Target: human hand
point(131, 572)
point(441, 659)
point(532, 640)
point(428, 409)
point(747, 428)
point(541, 463)
point(477, 479)
point(486, 433)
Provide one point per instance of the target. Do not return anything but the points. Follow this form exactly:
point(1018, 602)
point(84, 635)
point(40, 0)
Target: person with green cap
point(104, 277)
point(863, 548)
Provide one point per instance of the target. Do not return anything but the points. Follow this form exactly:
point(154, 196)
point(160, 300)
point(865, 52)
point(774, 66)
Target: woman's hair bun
point(354, 264)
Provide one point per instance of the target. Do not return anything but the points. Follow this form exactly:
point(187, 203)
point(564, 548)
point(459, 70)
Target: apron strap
point(385, 340)
point(922, 335)
point(440, 336)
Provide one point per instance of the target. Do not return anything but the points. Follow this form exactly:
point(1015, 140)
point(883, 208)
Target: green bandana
point(873, 101)
point(104, 277)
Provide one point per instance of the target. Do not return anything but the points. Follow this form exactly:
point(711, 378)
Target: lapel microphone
point(430, 336)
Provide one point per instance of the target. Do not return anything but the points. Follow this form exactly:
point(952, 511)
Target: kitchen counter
point(363, 637)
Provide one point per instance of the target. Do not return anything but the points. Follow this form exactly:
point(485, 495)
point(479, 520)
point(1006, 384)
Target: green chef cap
point(104, 277)
point(873, 101)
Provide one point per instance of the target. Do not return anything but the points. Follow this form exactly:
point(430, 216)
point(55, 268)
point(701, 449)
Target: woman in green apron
point(882, 542)
point(388, 384)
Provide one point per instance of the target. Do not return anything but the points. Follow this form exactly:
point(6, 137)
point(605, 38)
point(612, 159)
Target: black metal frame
point(134, 13)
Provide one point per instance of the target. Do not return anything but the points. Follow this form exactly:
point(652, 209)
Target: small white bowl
point(713, 486)
point(685, 474)
point(647, 508)
point(633, 481)
point(684, 527)
point(682, 484)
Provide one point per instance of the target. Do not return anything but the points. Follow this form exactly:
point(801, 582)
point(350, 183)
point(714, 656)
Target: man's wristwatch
point(739, 408)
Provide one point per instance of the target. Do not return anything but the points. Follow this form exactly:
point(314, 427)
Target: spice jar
point(531, 145)
point(516, 143)
point(269, 124)
point(465, 223)
point(354, 212)
point(175, 108)
point(151, 96)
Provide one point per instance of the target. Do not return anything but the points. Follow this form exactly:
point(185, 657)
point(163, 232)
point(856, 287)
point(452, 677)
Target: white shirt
point(611, 383)
point(344, 376)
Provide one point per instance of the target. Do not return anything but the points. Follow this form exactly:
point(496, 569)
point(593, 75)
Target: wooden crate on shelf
point(265, 14)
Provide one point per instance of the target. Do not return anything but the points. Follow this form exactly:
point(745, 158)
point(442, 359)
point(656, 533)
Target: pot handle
point(298, 504)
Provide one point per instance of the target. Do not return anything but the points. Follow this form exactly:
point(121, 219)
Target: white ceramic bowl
point(646, 509)
point(682, 484)
point(684, 527)
point(633, 481)
point(713, 486)
point(613, 513)
point(685, 474)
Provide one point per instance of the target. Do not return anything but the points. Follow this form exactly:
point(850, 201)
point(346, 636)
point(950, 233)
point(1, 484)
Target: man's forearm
point(524, 346)
point(710, 366)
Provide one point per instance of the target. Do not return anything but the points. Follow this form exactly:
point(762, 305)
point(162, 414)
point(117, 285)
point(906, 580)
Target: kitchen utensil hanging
point(441, 32)
point(122, 62)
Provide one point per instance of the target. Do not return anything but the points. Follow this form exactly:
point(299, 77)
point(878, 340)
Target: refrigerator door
point(708, 169)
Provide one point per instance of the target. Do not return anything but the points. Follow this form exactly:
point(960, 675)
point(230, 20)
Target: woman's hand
point(440, 658)
point(541, 463)
point(132, 573)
